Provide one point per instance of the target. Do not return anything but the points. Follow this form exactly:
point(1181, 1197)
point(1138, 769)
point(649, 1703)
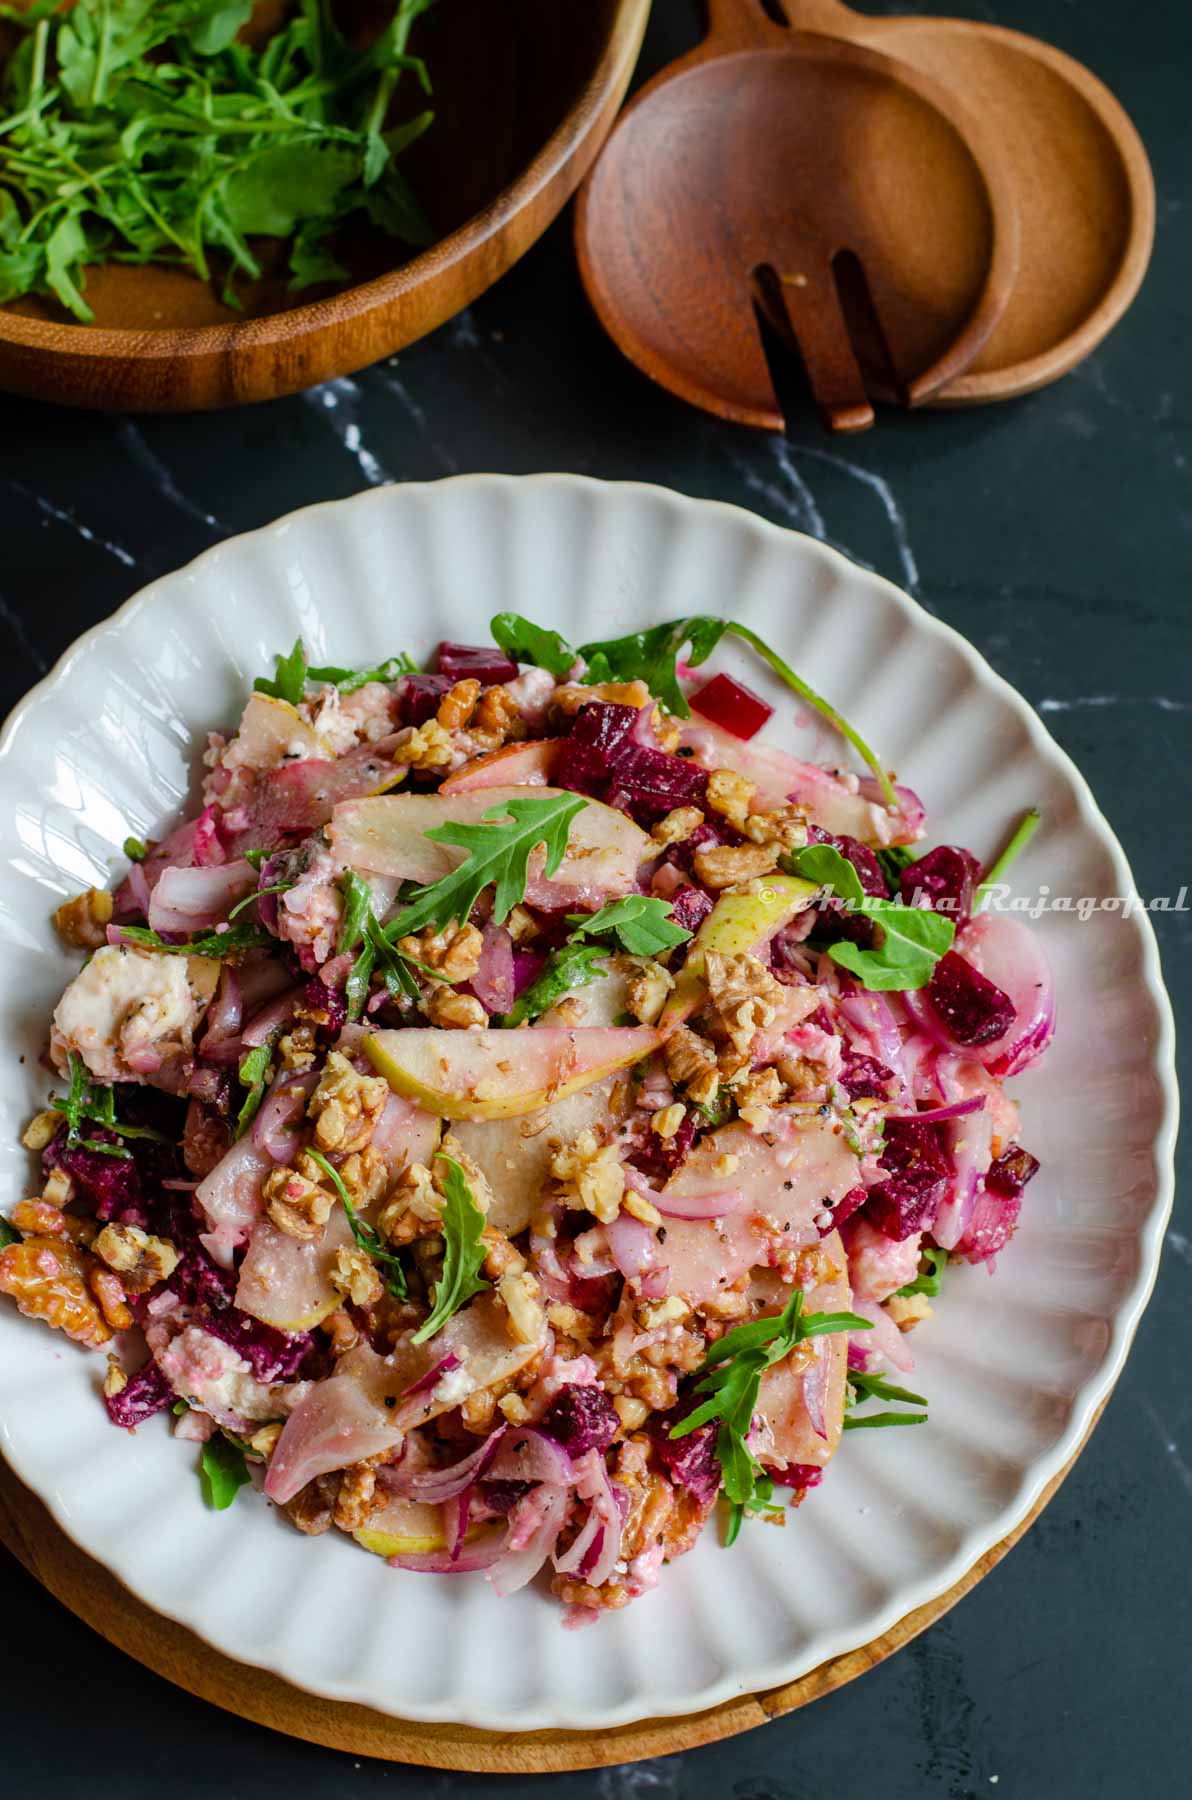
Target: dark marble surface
point(1055, 533)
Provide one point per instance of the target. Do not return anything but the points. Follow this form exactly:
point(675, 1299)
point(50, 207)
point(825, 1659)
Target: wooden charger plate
point(96, 1597)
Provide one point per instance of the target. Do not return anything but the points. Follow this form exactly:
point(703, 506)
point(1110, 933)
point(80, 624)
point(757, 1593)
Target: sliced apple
point(786, 1176)
point(737, 924)
point(514, 765)
point(783, 1428)
point(387, 836)
point(403, 1528)
point(287, 1283)
point(272, 731)
point(514, 1155)
point(502, 1074)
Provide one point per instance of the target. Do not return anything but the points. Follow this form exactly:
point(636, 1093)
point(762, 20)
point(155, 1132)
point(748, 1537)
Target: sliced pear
point(403, 1528)
point(514, 1155)
point(514, 765)
point(502, 1074)
point(287, 1283)
point(272, 731)
point(386, 835)
point(601, 1002)
point(737, 924)
point(782, 1422)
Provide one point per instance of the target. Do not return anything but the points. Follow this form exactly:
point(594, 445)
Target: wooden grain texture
point(525, 94)
point(770, 154)
point(96, 1597)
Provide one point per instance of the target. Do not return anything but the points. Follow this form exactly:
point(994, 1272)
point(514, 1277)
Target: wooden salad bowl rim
point(169, 1649)
point(178, 368)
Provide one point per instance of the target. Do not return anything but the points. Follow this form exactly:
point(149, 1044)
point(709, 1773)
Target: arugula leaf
point(360, 925)
point(349, 680)
point(135, 850)
point(499, 850)
point(642, 924)
point(279, 887)
point(289, 678)
point(8, 1234)
point(463, 1251)
point(911, 939)
point(253, 1075)
point(927, 1281)
point(731, 1375)
point(232, 942)
point(89, 1099)
point(524, 642)
point(256, 858)
point(893, 860)
point(863, 1387)
point(651, 656)
point(393, 1273)
point(223, 1471)
point(1023, 832)
point(570, 967)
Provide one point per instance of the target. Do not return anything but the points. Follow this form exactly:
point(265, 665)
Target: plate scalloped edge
point(739, 1677)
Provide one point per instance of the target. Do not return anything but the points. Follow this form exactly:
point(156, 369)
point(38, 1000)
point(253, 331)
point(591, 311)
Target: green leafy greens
point(731, 1376)
point(146, 131)
point(232, 942)
point(223, 1471)
point(360, 925)
point(293, 672)
point(524, 642)
point(640, 924)
point(135, 850)
point(499, 848)
point(1021, 836)
point(864, 1387)
point(393, 1273)
point(463, 1251)
point(88, 1099)
point(8, 1234)
point(911, 939)
point(253, 1074)
point(932, 1262)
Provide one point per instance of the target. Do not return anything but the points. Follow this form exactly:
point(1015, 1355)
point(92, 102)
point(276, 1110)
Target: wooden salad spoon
point(1086, 197)
point(812, 178)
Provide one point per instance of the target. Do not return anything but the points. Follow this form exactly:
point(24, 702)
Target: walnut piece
point(312, 1507)
point(42, 1129)
point(677, 825)
point(730, 795)
point(427, 747)
point(83, 921)
point(498, 714)
point(47, 1277)
point(526, 1321)
point(355, 1276)
point(38, 1218)
point(455, 1012)
point(297, 1205)
point(358, 1497)
point(590, 1176)
point(647, 992)
point(458, 704)
point(453, 952)
point(140, 1260)
point(668, 1119)
point(346, 1106)
point(724, 865)
point(571, 695)
point(106, 1285)
point(691, 1063)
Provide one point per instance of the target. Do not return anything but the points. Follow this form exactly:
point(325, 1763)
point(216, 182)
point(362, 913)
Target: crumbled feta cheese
point(120, 1008)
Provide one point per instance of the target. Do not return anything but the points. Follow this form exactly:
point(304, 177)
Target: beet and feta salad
point(522, 1106)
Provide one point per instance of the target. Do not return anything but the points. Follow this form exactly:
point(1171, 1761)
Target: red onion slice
point(482, 1553)
point(190, 899)
point(815, 1389)
point(632, 1245)
point(534, 1524)
point(437, 1485)
point(717, 1205)
point(530, 1455)
point(959, 1109)
point(271, 1018)
point(493, 983)
point(277, 1128)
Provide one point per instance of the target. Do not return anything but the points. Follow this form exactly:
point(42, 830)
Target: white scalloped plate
point(1015, 1366)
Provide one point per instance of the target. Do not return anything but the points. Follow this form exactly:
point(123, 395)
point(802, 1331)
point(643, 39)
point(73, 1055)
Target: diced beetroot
point(112, 1184)
point(732, 706)
point(199, 1282)
point(869, 871)
point(690, 907)
point(974, 1009)
point(272, 1355)
point(477, 662)
point(658, 1157)
point(600, 738)
point(581, 1418)
point(650, 783)
point(998, 1204)
point(802, 1476)
point(702, 838)
point(920, 1170)
point(145, 1393)
point(317, 997)
point(503, 1496)
point(845, 1207)
point(527, 967)
point(945, 877)
point(865, 1078)
point(418, 697)
point(690, 1461)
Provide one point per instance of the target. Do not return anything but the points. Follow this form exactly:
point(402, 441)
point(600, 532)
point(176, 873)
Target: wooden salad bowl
point(524, 95)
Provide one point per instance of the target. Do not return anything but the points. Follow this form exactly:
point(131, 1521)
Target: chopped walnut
point(458, 704)
point(354, 1275)
point(655, 1386)
point(514, 1409)
point(498, 715)
point(648, 989)
point(590, 1176)
point(744, 996)
point(521, 924)
point(414, 1209)
point(297, 1049)
point(42, 1129)
point(312, 1507)
point(427, 746)
point(358, 1497)
point(630, 1411)
point(662, 1312)
point(477, 1411)
point(455, 1012)
point(787, 828)
point(520, 1295)
point(730, 795)
point(365, 1175)
point(141, 1261)
point(108, 1289)
point(724, 865)
point(59, 1188)
point(346, 1106)
point(264, 1440)
point(453, 952)
point(691, 1063)
point(569, 697)
point(667, 730)
point(38, 1218)
point(47, 1277)
point(676, 826)
point(755, 1094)
point(83, 921)
point(609, 1598)
point(115, 1381)
point(297, 1205)
point(668, 1119)
point(341, 1329)
point(638, 1207)
point(908, 1310)
point(730, 1303)
point(502, 1257)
